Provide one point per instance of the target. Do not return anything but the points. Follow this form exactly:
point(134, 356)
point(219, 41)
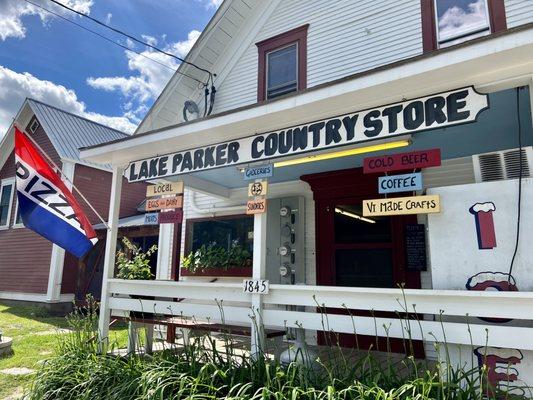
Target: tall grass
point(199, 371)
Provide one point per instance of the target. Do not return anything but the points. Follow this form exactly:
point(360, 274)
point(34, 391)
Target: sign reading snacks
point(164, 189)
point(263, 171)
point(257, 189)
point(402, 206)
point(164, 203)
point(256, 206)
point(400, 183)
point(436, 111)
point(402, 161)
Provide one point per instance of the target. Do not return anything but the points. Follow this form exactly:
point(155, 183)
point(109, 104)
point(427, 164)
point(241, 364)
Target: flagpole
point(62, 174)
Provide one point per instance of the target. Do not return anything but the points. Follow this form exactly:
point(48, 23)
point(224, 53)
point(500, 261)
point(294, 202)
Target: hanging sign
point(171, 217)
point(151, 219)
point(256, 206)
point(400, 183)
point(164, 203)
point(402, 161)
point(263, 171)
point(257, 189)
point(402, 206)
point(415, 247)
point(431, 112)
point(164, 189)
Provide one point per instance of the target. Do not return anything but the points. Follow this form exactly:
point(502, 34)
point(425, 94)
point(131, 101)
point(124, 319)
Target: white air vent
point(34, 126)
point(503, 164)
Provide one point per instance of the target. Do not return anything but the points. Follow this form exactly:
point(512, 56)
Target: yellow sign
point(257, 189)
point(256, 206)
point(401, 206)
point(164, 204)
point(164, 188)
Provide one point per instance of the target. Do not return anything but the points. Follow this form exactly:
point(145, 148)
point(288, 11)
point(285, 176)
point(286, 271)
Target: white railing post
point(259, 263)
point(110, 250)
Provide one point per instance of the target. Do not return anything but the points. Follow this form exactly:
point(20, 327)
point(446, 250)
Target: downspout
point(212, 209)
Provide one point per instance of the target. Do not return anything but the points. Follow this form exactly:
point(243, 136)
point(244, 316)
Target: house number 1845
point(255, 286)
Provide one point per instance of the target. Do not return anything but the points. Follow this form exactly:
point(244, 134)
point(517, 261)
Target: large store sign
point(436, 111)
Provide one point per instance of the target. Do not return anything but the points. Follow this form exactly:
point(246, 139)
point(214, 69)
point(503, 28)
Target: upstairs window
point(449, 22)
point(282, 64)
point(6, 194)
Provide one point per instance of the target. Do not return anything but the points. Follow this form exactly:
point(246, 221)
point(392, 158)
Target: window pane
point(352, 227)
point(18, 217)
point(222, 232)
point(282, 71)
point(461, 20)
point(5, 199)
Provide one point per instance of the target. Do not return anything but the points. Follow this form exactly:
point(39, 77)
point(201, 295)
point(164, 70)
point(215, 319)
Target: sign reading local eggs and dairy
point(436, 111)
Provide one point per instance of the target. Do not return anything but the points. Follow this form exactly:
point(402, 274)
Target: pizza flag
point(46, 205)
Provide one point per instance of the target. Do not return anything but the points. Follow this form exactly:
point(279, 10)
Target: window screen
point(5, 203)
point(282, 71)
point(461, 20)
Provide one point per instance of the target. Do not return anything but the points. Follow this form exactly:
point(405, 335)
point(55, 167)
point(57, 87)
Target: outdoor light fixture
point(344, 153)
point(352, 215)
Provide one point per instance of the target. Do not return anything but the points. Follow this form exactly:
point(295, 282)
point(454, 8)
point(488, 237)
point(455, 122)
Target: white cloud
point(108, 18)
point(12, 12)
point(17, 86)
point(149, 78)
point(457, 19)
point(213, 3)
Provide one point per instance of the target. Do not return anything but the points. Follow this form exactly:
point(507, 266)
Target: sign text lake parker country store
point(430, 112)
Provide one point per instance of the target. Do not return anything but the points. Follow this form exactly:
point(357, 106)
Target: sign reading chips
point(401, 206)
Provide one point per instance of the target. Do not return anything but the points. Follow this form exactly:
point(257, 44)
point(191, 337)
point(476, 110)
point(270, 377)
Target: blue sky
point(44, 57)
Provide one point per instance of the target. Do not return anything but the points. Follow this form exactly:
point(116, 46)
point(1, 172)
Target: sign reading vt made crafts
point(450, 108)
point(401, 206)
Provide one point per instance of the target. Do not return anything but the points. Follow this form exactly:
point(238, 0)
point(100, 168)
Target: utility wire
point(113, 41)
point(133, 38)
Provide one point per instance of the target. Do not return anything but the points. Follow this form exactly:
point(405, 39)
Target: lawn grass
point(35, 336)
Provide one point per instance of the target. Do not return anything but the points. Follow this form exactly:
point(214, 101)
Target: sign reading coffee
point(430, 112)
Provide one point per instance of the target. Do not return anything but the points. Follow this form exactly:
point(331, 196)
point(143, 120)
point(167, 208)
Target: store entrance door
point(357, 251)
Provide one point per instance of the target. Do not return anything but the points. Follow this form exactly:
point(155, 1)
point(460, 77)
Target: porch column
point(110, 250)
point(259, 270)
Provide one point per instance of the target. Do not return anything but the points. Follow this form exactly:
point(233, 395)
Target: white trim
point(4, 183)
point(37, 297)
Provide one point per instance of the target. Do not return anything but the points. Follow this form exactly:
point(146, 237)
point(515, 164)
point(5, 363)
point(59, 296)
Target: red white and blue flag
point(46, 205)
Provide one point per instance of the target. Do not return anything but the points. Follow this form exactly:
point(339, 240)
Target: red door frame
point(352, 185)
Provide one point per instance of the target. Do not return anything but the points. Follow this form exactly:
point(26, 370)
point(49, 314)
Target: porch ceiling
point(505, 60)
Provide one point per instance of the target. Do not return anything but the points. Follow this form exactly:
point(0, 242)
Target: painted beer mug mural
point(486, 235)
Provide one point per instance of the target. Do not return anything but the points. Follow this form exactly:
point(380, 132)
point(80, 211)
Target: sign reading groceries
point(436, 111)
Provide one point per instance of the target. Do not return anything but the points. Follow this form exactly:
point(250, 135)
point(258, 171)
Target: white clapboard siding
point(518, 12)
point(456, 171)
point(344, 37)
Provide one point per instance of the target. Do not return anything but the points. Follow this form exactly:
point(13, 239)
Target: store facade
point(400, 189)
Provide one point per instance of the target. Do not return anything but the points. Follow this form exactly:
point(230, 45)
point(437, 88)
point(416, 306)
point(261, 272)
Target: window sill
point(238, 272)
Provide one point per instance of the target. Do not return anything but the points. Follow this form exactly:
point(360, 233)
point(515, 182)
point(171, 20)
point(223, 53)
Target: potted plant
point(134, 264)
point(215, 260)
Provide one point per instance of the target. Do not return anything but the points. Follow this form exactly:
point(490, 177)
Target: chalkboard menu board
point(415, 247)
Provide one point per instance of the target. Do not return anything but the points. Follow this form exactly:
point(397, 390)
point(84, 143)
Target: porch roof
point(492, 63)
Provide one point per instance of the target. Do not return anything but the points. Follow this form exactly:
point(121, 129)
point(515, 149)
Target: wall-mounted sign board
point(402, 206)
point(400, 183)
point(164, 189)
point(164, 203)
point(256, 206)
point(151, 219)
point(415, 247)
point(171, 217)
point(402, 161)
point(257, 189)
point(263, 171)
point(425, 113)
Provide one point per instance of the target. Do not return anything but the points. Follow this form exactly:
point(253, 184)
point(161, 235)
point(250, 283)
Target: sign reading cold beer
point(436, 111)
point(402, 206)
point(402, 161)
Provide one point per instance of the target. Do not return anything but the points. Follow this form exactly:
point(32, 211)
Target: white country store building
point(313, 88)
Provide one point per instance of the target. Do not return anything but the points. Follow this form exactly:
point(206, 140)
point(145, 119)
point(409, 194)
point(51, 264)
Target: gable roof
point(69, 132)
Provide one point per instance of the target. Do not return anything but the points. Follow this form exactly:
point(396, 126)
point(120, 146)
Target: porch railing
point(451, 316)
